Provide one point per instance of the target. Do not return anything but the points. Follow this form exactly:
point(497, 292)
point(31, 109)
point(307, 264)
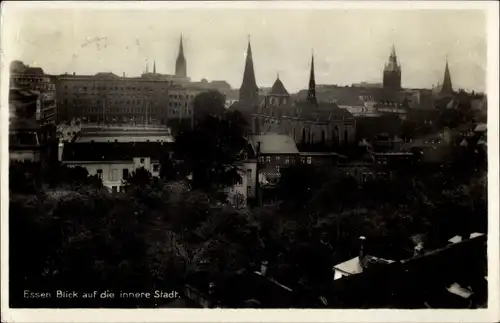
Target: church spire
point(392, 65)
point(392, 72)
point(311, 93)
point(249, 91)
point(447, 85)
point(180, 63)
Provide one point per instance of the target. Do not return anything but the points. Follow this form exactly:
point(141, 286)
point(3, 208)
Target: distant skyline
point(350, 46)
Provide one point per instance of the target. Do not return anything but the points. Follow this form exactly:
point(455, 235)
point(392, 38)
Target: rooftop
point(272, 143)
point(121, 151)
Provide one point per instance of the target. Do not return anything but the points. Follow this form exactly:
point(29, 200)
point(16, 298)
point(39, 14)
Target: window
point(278, 168)
point(113, 175)
point(125, 173)
point(277, 158)
point(249, 190)
point(142, 160)
point(293, 160)
point(99, 173)
point(302, 160)
point(249, 173)
point(309, 160)
point(156, 168)
point(268, 159)
point(287, 160)
point(261, 159)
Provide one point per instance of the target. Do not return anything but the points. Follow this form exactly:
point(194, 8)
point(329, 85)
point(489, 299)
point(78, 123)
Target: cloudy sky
point(349, 45)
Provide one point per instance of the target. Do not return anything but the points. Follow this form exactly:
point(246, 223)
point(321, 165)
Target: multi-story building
point(114, 162)
point(106, 97)
point(34, 80)
point(29, 137)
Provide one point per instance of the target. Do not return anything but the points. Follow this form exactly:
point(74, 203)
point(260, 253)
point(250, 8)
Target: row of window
point(176, 112)
point(83, 89)
point(267, 160)
point(371, 176)
point(113, 174)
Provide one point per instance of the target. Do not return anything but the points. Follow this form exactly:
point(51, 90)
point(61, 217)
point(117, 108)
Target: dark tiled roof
point(243, 289)
point(106, 75)
point(114, 151)
point(322, 112)
point(22, 95)
point(34, 71)
point(279, 89)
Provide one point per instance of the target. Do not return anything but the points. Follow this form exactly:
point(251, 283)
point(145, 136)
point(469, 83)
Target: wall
point(246, 188)
point(24, 155)
point(108, 168)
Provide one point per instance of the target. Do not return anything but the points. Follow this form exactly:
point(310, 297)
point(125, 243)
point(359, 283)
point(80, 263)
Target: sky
point(349, 46)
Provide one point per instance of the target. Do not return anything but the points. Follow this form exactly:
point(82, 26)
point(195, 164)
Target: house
point(429, 279)
point(113, 162)
point(357, 264)
point(246, 289)
point(272, 152)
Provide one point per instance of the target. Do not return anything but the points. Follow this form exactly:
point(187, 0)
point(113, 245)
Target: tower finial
point(278, 75)
point(311, 93)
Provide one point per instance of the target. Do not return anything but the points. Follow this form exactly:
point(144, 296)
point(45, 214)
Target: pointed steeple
point(180, 63)
point(311, 93)
point(392, 72)
point(249, 91)
point(154, 67)
point(447, 85)
point(392, 65)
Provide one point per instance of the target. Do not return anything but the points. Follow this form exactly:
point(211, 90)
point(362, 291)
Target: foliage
point(210, 152)
point(208, 103)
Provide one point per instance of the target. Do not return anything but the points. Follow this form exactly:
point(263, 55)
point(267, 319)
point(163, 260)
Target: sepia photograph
point(166, 155)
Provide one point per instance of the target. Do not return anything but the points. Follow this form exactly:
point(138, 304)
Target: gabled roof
point(278, 89)
point(272, 143)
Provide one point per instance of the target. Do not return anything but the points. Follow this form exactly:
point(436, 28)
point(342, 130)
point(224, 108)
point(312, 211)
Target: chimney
point(73, 73)
point(263, 267)
point(123, 74)
point(60, 151)
point(211, 288)
point(258, 148)
point(361, 250)
point(418, 250)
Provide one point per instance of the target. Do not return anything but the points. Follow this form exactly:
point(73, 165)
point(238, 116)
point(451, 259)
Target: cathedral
point(310, 123)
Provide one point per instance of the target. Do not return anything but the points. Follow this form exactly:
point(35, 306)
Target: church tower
point(392, 72)
point(447, 87)
point(249, 91)
point(180, 63)
point(311, 92)
point(277, 100)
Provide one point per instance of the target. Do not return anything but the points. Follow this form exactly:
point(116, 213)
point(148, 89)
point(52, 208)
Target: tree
point(210, 152)
point(298, 184)
point(209, 103)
